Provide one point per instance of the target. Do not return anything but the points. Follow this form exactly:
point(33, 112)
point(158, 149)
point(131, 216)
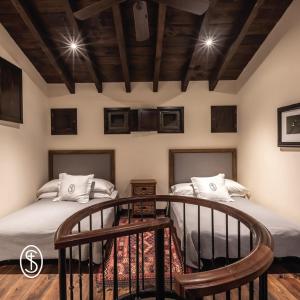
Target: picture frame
point(288, 119)
point(11, 92)
point(117, 120)
point(170, 119)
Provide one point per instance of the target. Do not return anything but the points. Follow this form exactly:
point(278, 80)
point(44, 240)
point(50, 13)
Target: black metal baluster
point(170, 257)
point(71, 275)
point(263, 287)
point(213, 241)
point(228, 293)
point(160, 264)
point(213, 237)
point(199, 254)
point(168, 211)
point(184, 239)
point(143, 271)
point(62, 275)
point(227, 245)
point(129, 253)
point(79, 267)
point(91, 279)
point(116, 283)
point(137, 265)
point(239, 254)
point(103, 261)
point(251, 284)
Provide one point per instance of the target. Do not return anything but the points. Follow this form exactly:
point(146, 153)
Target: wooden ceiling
point(174, 51)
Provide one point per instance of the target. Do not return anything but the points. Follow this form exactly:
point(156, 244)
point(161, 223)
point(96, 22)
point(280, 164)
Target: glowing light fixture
point(209, 42)
point(74, 46)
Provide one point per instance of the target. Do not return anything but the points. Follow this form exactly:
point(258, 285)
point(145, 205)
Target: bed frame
point(101, 163)
point(186, 163)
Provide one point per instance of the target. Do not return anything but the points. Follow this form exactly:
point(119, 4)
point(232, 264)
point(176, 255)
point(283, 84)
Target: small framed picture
point(289, 126)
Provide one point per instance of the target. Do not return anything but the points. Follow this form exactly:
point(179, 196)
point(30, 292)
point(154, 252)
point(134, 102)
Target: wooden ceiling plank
point(43, 43)
point(86, 57)
point(162, 8)
point(253, 12)
point(121, 44)
point(194, 61)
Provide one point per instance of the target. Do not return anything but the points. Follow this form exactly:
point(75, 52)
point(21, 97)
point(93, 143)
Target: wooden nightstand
point(143, 188)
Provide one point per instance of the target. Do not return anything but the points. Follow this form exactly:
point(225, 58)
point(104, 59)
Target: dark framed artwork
point(63, 121)
point(288, 119)
point(223, 119)
point(11, 92)
point(117, 120)
point(170, 119)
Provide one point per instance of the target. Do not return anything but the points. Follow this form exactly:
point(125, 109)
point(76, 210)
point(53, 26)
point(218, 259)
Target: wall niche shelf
point(223, 119)
point(63, 121)
point(125, 120)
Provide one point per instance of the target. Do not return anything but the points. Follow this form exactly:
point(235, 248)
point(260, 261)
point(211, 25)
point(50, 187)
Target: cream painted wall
point(23, 149)
point(272, 174)
point(141, 155)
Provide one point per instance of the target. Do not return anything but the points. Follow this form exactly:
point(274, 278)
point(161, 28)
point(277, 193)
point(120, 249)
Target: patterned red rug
point(149, 261)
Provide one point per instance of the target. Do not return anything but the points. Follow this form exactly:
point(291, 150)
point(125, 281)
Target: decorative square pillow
point(235, 189)
point(74, 188)
point(183, 189)
point(211, 188)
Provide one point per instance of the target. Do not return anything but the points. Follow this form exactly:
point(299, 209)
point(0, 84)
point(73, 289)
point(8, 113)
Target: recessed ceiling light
point(74, 46)
point(209, 42)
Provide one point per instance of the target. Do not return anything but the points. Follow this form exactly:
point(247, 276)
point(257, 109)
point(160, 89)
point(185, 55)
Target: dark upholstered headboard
point(187, 163)
point(101, 163)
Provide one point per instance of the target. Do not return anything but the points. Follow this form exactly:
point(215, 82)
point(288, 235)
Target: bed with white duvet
point(37, 223)
point(286, 235)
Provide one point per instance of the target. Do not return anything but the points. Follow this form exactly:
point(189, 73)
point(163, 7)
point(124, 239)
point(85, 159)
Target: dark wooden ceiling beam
point(40, 36)
point(121, 44)
point(159, 44)
point(194, 61)
point(69, 6)
point(221, 68)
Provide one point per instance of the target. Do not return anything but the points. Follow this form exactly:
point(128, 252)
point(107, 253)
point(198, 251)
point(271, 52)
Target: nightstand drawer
point(143, 190)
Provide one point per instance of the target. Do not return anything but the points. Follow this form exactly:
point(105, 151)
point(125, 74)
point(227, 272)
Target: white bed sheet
point(286, 235)
point(37, 223)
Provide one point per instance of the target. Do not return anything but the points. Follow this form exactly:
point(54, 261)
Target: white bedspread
point(286, 235)
point(37, 223)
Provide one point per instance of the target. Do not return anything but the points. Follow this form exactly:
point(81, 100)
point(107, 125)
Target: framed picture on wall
point(289, 126)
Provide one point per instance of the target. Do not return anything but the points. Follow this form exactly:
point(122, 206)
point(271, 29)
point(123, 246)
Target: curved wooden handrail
point(109, 233)
point(193, 285)
point(201, 284)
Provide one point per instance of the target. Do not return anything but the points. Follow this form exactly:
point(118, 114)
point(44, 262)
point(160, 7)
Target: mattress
point(286, 235)
point(37, 223)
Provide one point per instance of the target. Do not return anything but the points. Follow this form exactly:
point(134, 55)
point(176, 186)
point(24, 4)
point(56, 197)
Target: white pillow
point(51, 186)
point(235, 189)
point(183, 189)
point(102, 186)
point(103, 195)
point(211, 188)
point(74, 188)
point(48, 195)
